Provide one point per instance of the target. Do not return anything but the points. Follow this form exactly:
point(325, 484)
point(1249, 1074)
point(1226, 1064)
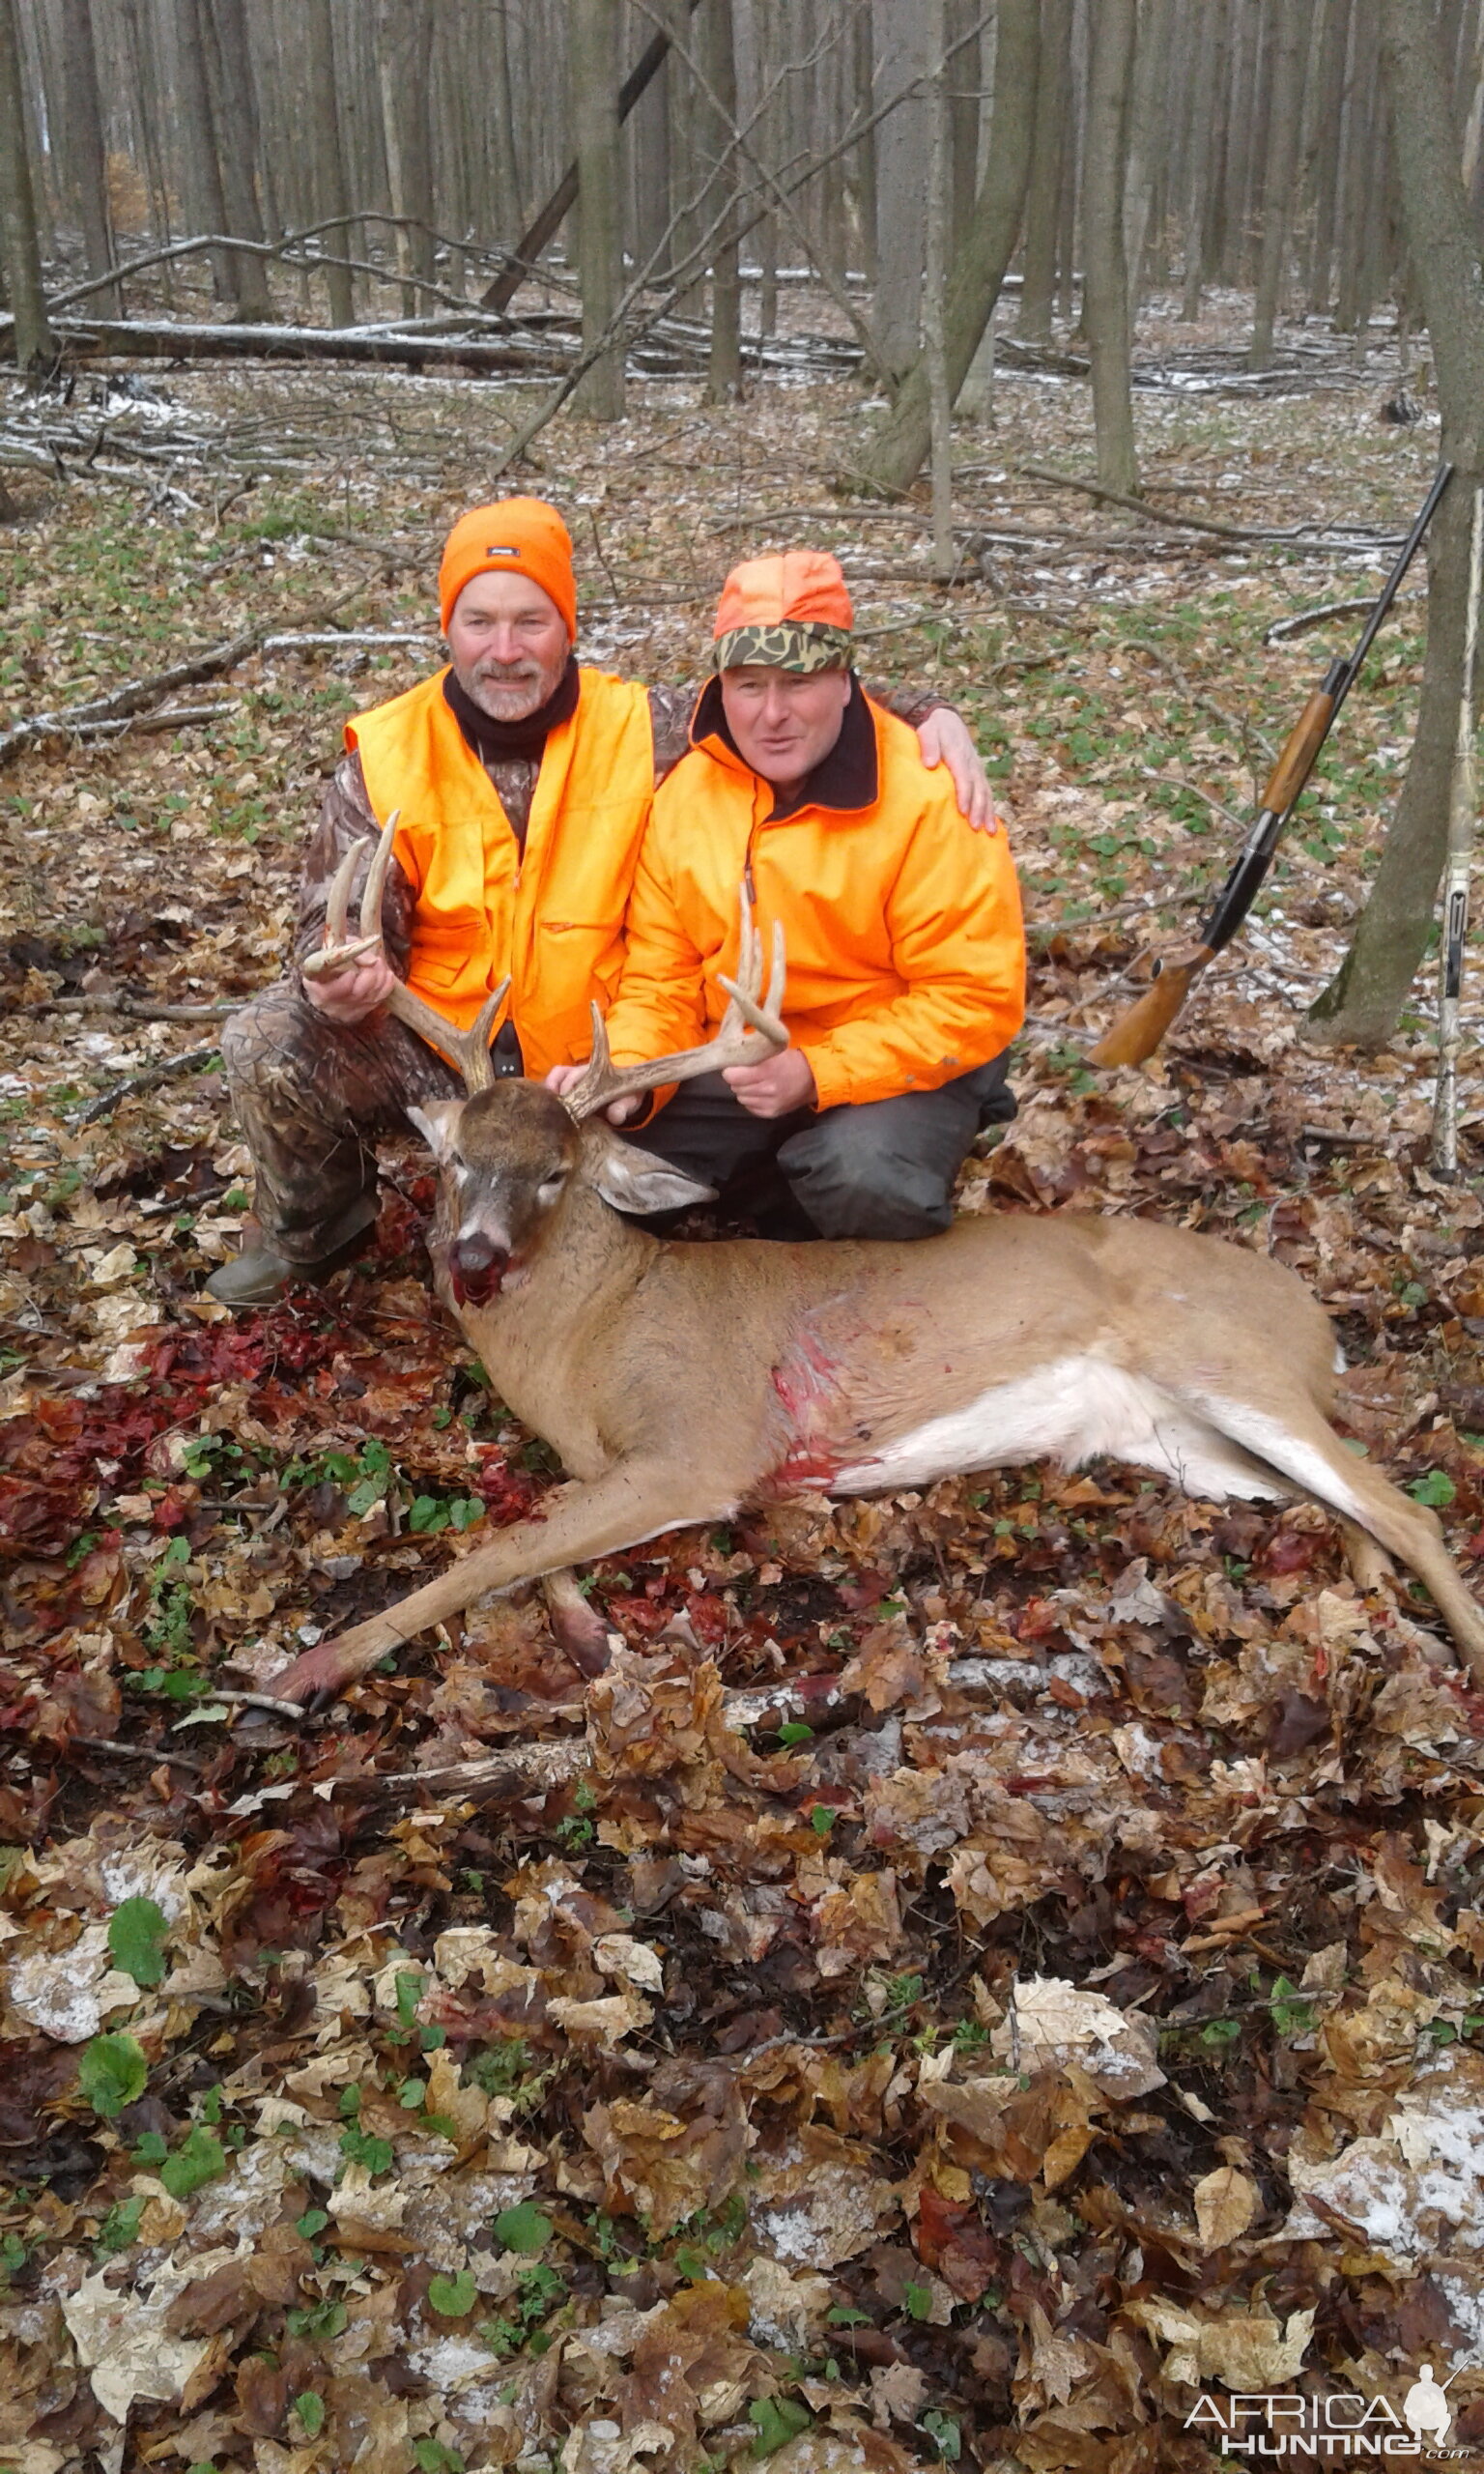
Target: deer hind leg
point(1295, 1439)
point(634, 1500)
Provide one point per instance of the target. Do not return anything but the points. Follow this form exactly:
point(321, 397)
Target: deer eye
point(551, 1186)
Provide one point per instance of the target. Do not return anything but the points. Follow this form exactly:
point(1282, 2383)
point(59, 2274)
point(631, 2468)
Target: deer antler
point(751, 1030)
point(469, 1050)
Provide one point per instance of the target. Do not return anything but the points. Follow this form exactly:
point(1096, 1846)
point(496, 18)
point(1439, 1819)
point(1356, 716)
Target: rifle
point(1142, 1028)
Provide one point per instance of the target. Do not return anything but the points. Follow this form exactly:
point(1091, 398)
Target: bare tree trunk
point(206, 203)
point(1361, 1006)
point(718, 60)
point(1202, 105)
point(88, 155)
point(509, 203)
point(965, 82)
point(595, 28)
point(333, 192)
point(896, 455)
point(237, 126)
point(1324, 150)
point(404, 59)
point(902, 152)
point(1361, 117)
point(1284, 121)
point(147, 103)
point(1105, 307)
point(1044, 197)
point(866, 152)
point(1074, 138)
point(937, 239)
point(31, 335)
point(1148, 137)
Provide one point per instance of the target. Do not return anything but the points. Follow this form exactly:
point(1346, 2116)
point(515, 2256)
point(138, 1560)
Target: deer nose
point(476, 1266)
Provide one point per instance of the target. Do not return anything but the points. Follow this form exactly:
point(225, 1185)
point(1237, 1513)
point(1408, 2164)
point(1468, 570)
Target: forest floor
point(1048, 2001)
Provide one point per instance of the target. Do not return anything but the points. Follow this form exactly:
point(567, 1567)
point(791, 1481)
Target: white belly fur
point(1071, 1411)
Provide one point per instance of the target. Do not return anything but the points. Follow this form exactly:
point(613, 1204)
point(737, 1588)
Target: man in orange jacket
point(906, 958)
point(524, 784)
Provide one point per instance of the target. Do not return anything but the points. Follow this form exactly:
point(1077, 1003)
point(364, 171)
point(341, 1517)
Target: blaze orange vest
point(553, 916)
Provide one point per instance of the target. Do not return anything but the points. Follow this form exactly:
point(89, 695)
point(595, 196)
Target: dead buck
point(680, 1383)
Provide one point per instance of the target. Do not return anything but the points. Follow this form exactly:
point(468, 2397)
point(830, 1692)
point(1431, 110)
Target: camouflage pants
point(311, 1096)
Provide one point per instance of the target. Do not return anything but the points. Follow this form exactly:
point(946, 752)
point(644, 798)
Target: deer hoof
point(577, 1629)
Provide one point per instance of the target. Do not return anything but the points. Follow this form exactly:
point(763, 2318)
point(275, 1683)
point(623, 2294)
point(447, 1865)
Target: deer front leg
point(631, 1502)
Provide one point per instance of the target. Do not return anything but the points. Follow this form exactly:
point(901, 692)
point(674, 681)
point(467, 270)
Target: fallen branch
point(169, 1070)
point(1282, 628)
point(174, 717)
point(140, 693)
point(1186, 523)
point(135, 1009)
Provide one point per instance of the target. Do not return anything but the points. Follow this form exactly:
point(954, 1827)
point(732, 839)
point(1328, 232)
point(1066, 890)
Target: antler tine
point(340, 950)
point(765, 1014)
point(749, 1031)
point(469, 1050)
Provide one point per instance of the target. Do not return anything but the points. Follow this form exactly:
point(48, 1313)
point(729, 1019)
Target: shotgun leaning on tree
point(1142, 1028)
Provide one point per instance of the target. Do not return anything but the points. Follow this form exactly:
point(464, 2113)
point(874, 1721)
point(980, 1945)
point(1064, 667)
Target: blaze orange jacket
point(907, 955)
point(551, 917)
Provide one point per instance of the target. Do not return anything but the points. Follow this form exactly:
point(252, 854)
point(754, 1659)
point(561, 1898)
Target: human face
point(508, 641)
point(784, 722)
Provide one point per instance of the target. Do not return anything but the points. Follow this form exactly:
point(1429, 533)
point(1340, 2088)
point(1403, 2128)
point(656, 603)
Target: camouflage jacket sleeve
point(670, 709)
point(346, 818)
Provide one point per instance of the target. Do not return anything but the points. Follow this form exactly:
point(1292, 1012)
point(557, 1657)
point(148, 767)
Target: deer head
point(512, 1153)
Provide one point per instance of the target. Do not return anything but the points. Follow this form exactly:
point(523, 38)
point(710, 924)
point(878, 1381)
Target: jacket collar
point(844, 783)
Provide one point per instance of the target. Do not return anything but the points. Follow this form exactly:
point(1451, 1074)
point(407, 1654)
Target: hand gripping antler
point(751, 1030)
point(469, 1050)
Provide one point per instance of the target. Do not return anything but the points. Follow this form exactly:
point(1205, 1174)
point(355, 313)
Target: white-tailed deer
point(680, 1383)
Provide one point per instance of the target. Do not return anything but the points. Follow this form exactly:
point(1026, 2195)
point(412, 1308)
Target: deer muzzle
point(476, 1267)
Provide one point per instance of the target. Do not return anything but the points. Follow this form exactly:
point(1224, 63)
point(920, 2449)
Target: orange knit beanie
point(514, 536)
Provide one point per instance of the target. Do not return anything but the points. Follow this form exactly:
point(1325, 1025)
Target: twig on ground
point(169, 1070)
point(132, 1751)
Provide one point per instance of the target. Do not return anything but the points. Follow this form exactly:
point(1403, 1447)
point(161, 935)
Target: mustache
point(508, 673)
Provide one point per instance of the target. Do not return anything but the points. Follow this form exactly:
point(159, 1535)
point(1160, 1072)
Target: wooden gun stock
point(1303, 743)
point(1140, 1032)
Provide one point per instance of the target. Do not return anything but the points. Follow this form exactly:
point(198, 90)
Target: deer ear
point(634, 1180)
point(439, 1125)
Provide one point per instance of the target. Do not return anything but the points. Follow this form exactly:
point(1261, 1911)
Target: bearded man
point(522, 783)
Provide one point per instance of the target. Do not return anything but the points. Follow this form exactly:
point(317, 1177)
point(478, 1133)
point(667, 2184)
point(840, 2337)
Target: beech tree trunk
point(1284, 121)
point(237, 126)
point(896, 455)
point(1360, 1008)
point(333, 188)
point(1044, 194)
point(597, 26)
point(1105, 304)
point(900, 31)
point(87, 153)
point(30, 336)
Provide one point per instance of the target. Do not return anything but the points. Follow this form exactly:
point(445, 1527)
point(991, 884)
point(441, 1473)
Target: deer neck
point(574, 1284)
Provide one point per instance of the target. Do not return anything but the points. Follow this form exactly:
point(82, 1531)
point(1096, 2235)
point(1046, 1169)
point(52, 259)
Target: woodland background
point(984, 1970)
